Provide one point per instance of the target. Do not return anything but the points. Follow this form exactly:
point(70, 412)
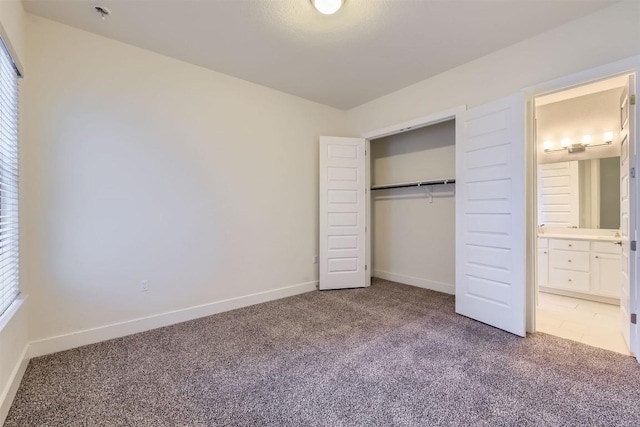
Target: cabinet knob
point(597, 257)
point(570, 245)
point(569, 260)
point(570, 280)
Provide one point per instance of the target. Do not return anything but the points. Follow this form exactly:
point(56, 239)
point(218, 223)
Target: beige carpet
point(386, 355)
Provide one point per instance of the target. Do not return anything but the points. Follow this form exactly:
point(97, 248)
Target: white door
point(627, 213)
point(490, 214)
point(342, 213)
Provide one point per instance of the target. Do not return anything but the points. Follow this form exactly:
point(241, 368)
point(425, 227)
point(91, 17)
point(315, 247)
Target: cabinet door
point(605, 274)
point(543, 267)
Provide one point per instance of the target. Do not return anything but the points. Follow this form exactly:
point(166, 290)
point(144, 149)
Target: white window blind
point(9, 248)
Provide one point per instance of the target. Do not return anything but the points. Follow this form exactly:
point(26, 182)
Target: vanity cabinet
point(580, 266)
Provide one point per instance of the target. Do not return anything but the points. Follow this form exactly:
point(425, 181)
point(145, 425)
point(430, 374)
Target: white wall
point(14, 324)
point(413, 238)
point(599, 38)
point(139, 166)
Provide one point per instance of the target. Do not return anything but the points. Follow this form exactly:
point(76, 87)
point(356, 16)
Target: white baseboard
point(117, 330)
point(9, 393)
point(416, 281)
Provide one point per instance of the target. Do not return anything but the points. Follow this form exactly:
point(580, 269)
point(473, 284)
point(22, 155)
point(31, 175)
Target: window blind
point(9, 242)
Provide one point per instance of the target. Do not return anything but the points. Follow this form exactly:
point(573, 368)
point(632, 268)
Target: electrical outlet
point(144, 286)
point(315, 259)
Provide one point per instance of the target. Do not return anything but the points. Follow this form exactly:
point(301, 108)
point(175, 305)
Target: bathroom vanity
point(580, 264)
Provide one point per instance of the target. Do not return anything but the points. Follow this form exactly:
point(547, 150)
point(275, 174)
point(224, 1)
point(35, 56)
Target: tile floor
point(588, 322)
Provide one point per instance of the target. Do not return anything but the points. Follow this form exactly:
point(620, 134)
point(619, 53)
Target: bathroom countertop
point(578, 237)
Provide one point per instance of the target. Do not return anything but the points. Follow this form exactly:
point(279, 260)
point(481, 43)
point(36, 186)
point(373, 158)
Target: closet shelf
point(414, 184)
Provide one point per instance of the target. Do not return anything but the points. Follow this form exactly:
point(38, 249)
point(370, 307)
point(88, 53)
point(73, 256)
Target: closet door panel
point(342, 213)
point(490, 214)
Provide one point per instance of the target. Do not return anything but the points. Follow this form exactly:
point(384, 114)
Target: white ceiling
point(368, 49)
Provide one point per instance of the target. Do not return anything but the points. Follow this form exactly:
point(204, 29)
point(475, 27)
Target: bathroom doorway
point(583, 165)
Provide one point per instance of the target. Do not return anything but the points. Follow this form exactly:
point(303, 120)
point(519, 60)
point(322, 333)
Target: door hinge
point(366, 267)
point(632, 172)
point(634, 318)
point(632, 100)
point(633, 245)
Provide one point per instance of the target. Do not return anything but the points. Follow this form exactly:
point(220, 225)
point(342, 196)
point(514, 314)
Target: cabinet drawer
point(569, 260)
point(570, 280)
point(570, 245)
point(606, 247)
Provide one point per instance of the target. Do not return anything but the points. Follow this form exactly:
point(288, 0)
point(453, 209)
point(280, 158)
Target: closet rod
point(414, 184)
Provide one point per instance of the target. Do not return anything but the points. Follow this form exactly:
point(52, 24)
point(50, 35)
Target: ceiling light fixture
point(103, 11)
point(327, 7)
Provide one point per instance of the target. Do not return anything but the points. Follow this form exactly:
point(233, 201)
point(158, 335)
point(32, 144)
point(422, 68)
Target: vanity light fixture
point(608, 137)
point(585, 142)
point(327, 7)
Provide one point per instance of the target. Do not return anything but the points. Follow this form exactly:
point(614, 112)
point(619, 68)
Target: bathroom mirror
point(580, 194)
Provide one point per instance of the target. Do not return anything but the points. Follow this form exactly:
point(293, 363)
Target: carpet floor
point(386, 355)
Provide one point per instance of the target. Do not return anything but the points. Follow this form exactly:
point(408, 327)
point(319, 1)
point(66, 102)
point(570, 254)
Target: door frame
point(623, 67)
point(406, 126)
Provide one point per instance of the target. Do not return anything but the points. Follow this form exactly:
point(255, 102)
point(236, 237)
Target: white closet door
point(627, 217)
point(342, 213)
point(490, 214)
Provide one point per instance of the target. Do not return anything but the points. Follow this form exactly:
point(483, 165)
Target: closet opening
point(412, 206)
point(584, 143)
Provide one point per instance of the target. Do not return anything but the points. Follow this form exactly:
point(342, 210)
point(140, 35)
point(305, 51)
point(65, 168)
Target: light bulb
point(608, 137)
point(586, 139)
point(566, 142)
point(547, 145)
point(327, 7)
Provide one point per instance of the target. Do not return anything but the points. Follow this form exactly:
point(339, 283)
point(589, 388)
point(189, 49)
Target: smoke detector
point(102, 11)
